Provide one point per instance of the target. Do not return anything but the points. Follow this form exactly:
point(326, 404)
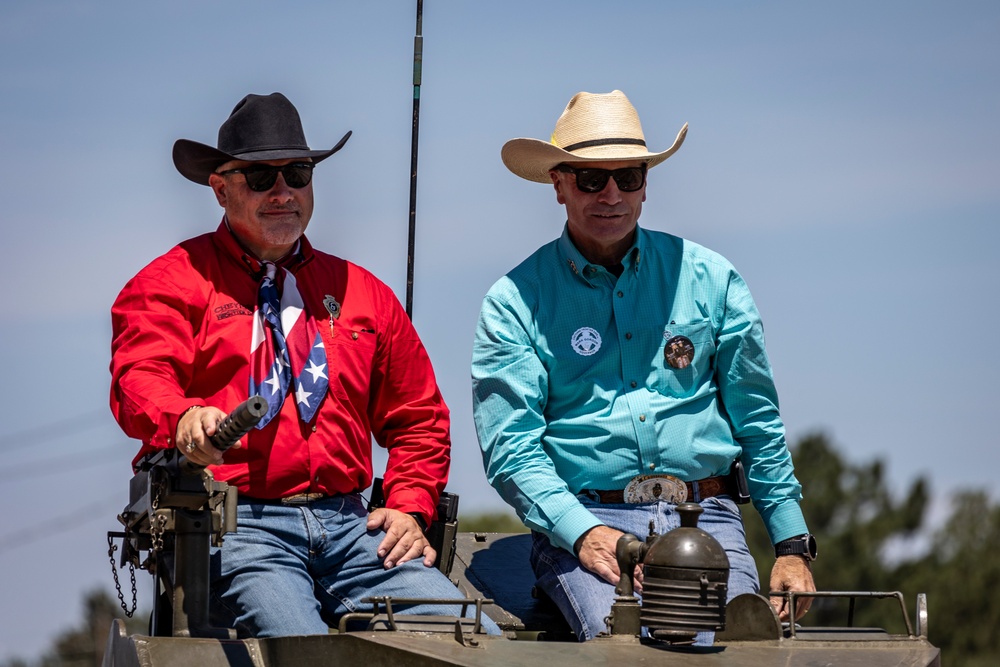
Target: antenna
point(418, 58)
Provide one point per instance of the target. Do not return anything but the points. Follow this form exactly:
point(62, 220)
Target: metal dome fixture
point(685, 580)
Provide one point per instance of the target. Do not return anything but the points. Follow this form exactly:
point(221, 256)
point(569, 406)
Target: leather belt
point(302, 498)
point(696, 490)
point(295, 499)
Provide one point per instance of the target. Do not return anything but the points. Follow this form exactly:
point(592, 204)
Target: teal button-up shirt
point(572, 391)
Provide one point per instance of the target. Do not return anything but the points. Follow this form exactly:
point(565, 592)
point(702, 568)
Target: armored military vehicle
point(177, 511)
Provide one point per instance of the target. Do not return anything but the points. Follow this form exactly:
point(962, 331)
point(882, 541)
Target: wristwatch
point(801, 545)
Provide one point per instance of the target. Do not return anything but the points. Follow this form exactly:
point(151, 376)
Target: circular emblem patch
point(679, 352)
point(586, 341)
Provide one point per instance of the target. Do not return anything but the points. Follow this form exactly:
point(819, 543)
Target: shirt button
point(642, 418)
point(633, 383)
point(314, 429)
point(628, 335)
point(621, 293)
point(354, 335)
point(652, 466)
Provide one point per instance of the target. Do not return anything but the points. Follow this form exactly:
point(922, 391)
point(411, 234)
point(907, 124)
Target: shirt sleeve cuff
point(786, 521)
point(571, 525)
point(170, 418)
point(412, 500)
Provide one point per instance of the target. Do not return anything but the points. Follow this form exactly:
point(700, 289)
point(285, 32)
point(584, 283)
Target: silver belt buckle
point(649, 488)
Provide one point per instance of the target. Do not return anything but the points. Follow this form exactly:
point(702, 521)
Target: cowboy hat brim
point(532, 159)
point(197, 161)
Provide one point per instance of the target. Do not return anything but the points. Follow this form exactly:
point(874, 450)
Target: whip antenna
point(418, 58)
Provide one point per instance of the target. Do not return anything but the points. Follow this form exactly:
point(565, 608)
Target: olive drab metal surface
point(495, 566)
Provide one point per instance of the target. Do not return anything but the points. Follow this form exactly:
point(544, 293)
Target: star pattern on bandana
point(316, 371)
point(302, 396)
point(286, 350)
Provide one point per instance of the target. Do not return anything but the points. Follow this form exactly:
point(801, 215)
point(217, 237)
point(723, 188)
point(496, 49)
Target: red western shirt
point(181, 337)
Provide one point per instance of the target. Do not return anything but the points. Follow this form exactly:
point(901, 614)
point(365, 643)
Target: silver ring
point(191, 447)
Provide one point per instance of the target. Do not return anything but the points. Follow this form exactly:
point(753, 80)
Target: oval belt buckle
point(649, 488)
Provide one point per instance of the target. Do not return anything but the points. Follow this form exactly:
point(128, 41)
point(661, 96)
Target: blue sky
point(845, 156)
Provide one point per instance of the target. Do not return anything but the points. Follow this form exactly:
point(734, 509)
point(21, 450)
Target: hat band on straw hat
point(604, 142)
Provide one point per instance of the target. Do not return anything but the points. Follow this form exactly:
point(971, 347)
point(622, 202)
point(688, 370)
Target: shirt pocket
point(351, 354)
point(685, 358)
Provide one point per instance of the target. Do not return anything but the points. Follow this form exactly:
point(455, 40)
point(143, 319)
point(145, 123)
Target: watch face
point(811, 550)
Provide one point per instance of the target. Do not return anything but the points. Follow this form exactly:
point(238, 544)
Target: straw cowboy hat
point(593, 128)
point(261, 127)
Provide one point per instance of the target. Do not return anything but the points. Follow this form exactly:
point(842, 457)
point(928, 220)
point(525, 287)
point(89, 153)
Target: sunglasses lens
point(629, 179)
point(297, 175)
point(261, 179)
point(592, 180)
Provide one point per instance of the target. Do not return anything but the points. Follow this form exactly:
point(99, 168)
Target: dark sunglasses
point(589, 179)
point(262, 177)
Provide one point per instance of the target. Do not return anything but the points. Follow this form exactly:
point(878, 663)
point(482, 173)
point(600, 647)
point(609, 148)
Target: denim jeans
point(585, 599)
point(294, 570)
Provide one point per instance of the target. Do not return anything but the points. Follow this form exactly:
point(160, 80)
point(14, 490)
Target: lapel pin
point(332, 306)
point(679, 352)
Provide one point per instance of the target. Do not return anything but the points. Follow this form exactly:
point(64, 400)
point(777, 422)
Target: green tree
point(855, 518)
point(863, 530)
point(961, 576)
point(83, 646)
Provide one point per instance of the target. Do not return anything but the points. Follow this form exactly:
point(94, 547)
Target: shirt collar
point(226, 241)
point(578, 265)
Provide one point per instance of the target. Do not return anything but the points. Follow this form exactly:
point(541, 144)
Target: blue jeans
point(294, 570)
point(585, 599)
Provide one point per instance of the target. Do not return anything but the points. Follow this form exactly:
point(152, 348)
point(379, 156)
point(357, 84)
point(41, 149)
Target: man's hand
point(791, 573)
point(195, 427)
point(597, 553)
point(404, 540)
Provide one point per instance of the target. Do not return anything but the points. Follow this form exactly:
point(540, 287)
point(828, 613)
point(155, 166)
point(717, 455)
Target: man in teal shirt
point(618, 370)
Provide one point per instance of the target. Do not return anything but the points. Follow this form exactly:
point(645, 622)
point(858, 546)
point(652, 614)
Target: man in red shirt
point(252, 308)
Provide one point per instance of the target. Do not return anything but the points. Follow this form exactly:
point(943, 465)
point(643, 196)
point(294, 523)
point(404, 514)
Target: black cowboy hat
point(261, 127)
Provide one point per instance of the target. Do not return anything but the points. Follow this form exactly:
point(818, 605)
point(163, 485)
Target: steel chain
point(157, 526)
point(112, 548)
point(157, 522)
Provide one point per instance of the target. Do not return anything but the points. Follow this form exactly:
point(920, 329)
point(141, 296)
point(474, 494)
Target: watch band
point(420, 520)
point(800, 545)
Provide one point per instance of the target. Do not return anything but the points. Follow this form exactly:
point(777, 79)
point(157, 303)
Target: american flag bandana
point(286, 350)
